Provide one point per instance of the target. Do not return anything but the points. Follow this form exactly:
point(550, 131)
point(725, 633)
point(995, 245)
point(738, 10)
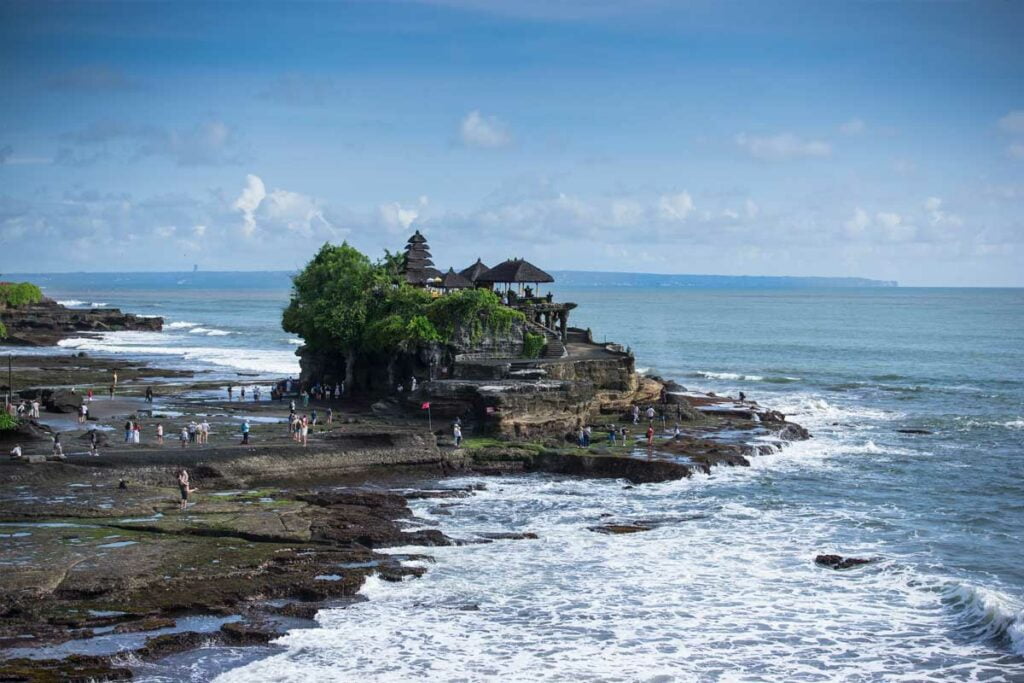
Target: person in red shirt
point(650, 436)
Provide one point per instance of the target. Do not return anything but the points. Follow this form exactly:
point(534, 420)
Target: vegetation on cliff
point(14, 294)
point(344, 303)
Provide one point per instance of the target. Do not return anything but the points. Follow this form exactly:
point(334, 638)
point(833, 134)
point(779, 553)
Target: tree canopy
point(13, 294)
point(341, 301)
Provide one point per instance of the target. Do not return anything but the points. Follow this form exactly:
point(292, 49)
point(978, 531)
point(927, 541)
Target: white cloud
point(937, 216)
point(1013, 122)
point(395, 217)
point(291, 211)
point(249, 201)
point(853, 127)
point(477, 130)
point(782, 147)
point(857, 225)
point(675, 207)
point(894, 228)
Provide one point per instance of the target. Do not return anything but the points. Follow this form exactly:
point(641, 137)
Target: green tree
point(330, 300)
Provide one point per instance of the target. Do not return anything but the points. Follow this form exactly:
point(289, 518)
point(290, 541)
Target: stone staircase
point(554, 348)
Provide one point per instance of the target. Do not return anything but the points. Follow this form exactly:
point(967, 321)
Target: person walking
point(636, 414)
point(230, 391)
point(58, 450)
point(83, 413)
point(245, 432)
point(159, 433)
point(304, 424)
point(94, 449)
point(586, 436)
point(149, 394)
point(457, 433)
point(35, 409)
point(312, 417)
point(204, 429)
point(650, 413)
point(110, 389)
point(241, 393)
point(137, 433)
point(650, 436)
point(183, 436)
point(128, 431)
point(88, 396)
point(330, 416)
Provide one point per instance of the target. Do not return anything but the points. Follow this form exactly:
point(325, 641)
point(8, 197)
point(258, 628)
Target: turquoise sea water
point(726, 588)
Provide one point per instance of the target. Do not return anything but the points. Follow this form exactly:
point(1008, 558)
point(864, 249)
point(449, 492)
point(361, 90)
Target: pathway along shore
point(98, 560)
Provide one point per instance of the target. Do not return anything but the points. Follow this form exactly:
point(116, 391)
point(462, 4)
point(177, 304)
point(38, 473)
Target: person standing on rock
point(159, 433)
point(241, 393)
point(650, 413)
point(35, 409)
point(115, 378)
point(184, 488)
point(183, 437)
point(83, 414)
point(88, 396)
point(650, 436)
point(58, 450)
point(110, 389)
point(128, 431)
point(149, 394)
point(636, 414)
point(245, 432)
point(304, 426)
point(94, 444)
point(231, 390)
point(137, 433)
point(16, 451)
point(457, 433)
point(330, 416)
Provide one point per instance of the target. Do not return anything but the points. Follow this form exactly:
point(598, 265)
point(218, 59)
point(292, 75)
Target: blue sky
point(877, 139)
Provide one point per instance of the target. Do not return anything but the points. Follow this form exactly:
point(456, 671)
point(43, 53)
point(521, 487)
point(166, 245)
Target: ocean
point(726, 587)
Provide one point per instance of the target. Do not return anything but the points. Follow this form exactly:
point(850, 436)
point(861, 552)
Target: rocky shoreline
point(100, 578)
point(47, 322)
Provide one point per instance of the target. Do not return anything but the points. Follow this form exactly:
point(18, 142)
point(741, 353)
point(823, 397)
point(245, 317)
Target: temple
point(516, 281)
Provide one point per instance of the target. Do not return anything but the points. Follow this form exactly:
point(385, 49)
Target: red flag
point(425, 406)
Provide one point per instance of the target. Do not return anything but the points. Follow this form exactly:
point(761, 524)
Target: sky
point(880, 139)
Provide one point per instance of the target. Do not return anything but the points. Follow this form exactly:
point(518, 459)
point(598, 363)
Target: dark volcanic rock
point(240, 633)
point(620, 528)
point(47, 322)
point(839, 562)
point(507, 535)
point(914, 431)
point(73, 669)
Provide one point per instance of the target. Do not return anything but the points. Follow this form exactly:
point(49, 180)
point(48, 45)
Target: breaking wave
point(180, 325)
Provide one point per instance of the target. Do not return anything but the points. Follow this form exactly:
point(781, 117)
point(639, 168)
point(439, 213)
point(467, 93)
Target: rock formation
point(47, 322)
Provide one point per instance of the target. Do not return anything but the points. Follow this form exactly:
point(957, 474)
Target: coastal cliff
point(47, 322)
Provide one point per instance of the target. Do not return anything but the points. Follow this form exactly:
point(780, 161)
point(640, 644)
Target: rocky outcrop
point(839, 562)
point(47, 322)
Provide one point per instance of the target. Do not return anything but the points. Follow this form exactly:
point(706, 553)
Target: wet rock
point(839, 562)
point(507, 535)
point(158, 647)
point(47, 322)
point(149, 624)
point(240, 633)
point(73, 669)
point(614, 529)
point(914, 431)
point(62, 401)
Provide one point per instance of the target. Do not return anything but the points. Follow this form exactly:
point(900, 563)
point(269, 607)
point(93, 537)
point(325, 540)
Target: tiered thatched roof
point(416, 264)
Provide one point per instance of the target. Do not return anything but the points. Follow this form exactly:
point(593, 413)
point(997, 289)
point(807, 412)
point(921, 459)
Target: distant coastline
point(263, 279)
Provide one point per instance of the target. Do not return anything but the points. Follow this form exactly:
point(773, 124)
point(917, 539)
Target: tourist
point(636, 414)
point(650, 413)
point(204, 431)
point(650, 436)
point(291, 406)
point(58, 450)
point(330, 416)
point(83, 414)
point(743, 397)
point(160, 433)
point(579, 437)
point(137, 433)
point(110, 389)
point(94, 449)
point(149, 394)
point(255, 394)
point(35, 408)
point(16, 451)
point(586, 436)
point(678, 434)
point(412, 384)
point(625, 434)
point(115, 378)
point(400, 388)
point(312, 417)
point(241, 393)
point(457, 433)
point(611, 435)
point(184, 488)
point(305, 430)
point(192, 428)
point(305, 398)
point(184, 437)
point(341, 389)
point(128, 431)
point(231, 390)
point(88, 396)
point(245, 432)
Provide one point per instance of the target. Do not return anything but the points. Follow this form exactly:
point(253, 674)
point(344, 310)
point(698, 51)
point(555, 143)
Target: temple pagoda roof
point(474, 272)
point(453, 280)
point(515, 271)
